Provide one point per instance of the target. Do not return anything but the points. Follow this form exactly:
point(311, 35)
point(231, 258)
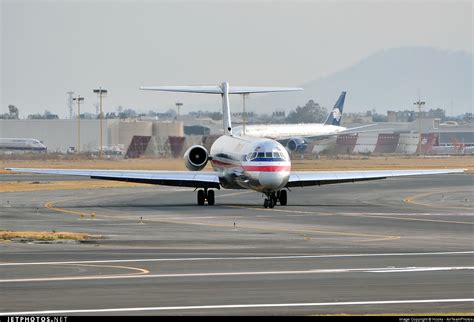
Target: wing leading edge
point(167, 178)
point(303, 179)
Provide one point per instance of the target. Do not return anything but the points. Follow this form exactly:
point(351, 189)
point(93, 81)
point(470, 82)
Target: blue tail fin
point(335, 116)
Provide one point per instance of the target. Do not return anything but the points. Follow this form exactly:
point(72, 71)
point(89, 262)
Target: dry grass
point(128, 164)
point(390, 162)
point(46, 235)
point(9, 186)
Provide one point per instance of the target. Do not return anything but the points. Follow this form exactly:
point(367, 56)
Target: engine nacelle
point(196, 158)
point(296, 145)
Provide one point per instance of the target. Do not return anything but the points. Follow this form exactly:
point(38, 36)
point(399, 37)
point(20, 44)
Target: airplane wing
point(302, 179)
point(359, 127)
point(166, 178)
point(352, 130)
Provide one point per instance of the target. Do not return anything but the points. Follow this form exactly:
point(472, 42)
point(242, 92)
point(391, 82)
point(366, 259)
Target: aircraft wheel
point(283, 198)
point(265, 203)
point(274, 198)
point(271, 203)
point(201, 197)
point(210, 197)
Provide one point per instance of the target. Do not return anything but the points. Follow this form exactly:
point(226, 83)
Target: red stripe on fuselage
point(252, 168)
point(266, 168)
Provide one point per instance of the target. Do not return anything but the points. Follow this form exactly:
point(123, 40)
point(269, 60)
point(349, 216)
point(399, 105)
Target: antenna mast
point(420, 105)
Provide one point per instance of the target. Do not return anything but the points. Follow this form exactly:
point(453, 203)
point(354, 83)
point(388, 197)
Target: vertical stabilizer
point(224, 89)
point(335, 116)
point(226, 109)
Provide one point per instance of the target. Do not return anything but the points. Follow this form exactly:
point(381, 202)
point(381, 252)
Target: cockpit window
point(251, 156)
point(276, 154)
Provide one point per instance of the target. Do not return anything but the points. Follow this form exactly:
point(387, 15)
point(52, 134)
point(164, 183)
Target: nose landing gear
point(269, 203)
point(203, 195)
point(274, 197)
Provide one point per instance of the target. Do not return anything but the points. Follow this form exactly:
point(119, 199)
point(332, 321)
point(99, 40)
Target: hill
point(390, 80)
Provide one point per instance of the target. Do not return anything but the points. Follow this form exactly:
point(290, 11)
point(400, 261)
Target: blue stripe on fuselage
point(267, 159)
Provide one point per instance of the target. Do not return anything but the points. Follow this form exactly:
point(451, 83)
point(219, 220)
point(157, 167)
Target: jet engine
point(296, 145)
point(196, 158)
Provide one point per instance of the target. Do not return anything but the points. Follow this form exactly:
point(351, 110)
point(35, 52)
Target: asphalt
point(401, 245)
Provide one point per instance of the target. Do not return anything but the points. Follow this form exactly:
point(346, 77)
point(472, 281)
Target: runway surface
point(401, 245)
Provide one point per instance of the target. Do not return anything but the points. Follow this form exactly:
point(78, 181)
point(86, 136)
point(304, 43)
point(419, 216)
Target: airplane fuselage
point(250, 163)
point(285, 131)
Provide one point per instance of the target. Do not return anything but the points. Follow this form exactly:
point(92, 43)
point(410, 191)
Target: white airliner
point(22, 145)
point(239, 162)
point(295, 137)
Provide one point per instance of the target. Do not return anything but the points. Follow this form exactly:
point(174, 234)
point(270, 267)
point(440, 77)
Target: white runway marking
point(417, 269)
point(235, 258)
point(182, 217)
point(266, 273)
point(236, 306)
point(409, 214)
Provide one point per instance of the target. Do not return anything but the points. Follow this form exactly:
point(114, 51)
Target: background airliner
point(295, 137)
point(22, 145)
point(239, 162)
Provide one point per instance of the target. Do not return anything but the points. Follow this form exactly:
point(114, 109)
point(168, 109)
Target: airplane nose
point(272, 180)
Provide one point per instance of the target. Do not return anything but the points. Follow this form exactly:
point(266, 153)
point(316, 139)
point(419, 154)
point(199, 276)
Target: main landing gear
point(274, 197)
point(203, 195)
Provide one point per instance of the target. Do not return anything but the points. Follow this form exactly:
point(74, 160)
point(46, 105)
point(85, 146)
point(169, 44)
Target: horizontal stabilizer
point(218, 89)
point(185, 89)
point(249, 90)
point(224, 90)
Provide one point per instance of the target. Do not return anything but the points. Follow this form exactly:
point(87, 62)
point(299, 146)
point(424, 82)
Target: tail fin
point(335, 116)
point(224, 90)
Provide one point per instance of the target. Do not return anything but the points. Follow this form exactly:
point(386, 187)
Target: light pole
point(79, 99)
point(419, 104)
point(101, 93)
point(179, 104)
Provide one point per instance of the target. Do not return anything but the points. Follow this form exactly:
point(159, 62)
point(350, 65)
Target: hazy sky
point(51, 47)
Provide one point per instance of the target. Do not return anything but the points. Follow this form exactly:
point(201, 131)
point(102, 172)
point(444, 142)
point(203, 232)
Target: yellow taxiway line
point(411, 199)
point(371, 237)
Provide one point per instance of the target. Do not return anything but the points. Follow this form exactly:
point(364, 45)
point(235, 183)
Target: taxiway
point(402, 245)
